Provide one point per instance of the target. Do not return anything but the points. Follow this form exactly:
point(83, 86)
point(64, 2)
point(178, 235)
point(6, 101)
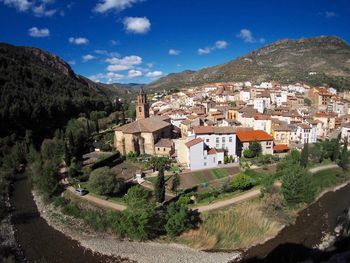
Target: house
point(245, 137)
point(164, 147)
point(345, 131)
point(281, 133)
point(223, 138)
point(320, 97)
point(196, 155)
point(262, 122)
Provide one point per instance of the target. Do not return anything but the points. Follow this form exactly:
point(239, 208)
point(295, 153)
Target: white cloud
point(106, 53)
point(221, 44)
point(20, 5)
point(36, 32)
point(137, 25)
point(154, 74)
point(204, 51)
point(125, 63)
point(248, 37)
point(330, 14)
point(174, 52)
point(37, 7)
point(117, 5)
point(72, 62)
point(88, 57)
point(78, 40)
point(41, 11)
point(114, 77)
point(133, 73)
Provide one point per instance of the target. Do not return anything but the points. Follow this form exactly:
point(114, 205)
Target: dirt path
point(321, 168)
point(235, 200)
point(99, 201)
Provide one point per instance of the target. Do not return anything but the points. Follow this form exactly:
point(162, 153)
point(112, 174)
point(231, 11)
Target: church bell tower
point(142, 107)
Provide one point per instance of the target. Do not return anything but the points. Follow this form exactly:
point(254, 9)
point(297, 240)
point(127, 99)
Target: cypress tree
point(344, 157)
point(160, 187)
point(304, 157)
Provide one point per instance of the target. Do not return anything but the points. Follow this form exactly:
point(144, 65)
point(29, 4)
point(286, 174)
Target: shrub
point(248, 153)
point(104, 182)
point(241, 182)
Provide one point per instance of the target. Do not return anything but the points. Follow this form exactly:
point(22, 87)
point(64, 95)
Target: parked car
point(81, 191)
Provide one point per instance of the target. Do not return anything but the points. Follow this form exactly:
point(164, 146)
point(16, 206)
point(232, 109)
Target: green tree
point(104, 182)
point(241, 182)
point(304, 156)
point(138, 219)
point(307, 102)
point(297, 186)
point(175, 183)
point(177, 219)
point(159, 188)
point(344, 157)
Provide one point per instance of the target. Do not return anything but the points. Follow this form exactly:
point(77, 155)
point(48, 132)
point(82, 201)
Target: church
point(142, 135)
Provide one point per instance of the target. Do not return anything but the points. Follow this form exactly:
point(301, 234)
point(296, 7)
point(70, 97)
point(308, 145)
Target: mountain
point(40, 92)
point(123, 90)
point(286, 61)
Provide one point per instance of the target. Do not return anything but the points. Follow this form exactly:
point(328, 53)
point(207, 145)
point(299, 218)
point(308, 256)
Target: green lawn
point(219, 173)
point(327, 178)
point(199, 176)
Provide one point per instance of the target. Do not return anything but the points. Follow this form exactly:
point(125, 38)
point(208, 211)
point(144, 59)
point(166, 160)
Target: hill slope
point(286, 61)
point(40, 92)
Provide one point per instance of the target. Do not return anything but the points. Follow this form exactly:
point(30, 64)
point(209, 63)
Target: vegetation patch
point(233, 228)
point(219, 173)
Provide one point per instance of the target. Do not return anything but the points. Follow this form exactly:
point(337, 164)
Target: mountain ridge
point(286, 60)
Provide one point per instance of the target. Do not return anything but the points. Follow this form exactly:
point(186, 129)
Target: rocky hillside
point(328, 58)
point(40, 92)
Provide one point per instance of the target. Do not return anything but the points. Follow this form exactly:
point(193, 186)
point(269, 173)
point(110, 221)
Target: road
point(252, 193)
point(323, 167)
point(235, 200)
point(99, 201)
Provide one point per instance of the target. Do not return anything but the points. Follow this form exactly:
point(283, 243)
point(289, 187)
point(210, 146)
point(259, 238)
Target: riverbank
point(108, 244)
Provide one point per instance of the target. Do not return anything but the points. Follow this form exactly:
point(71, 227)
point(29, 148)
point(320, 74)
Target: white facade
point(220, 141)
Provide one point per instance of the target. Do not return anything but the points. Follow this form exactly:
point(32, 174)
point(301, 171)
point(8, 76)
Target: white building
point(218, 137)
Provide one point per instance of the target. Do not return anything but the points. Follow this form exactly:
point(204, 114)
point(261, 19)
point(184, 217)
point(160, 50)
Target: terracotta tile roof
point(212, 151)
point(213, 130)
point(253, 135)
point(193, 142)
point(151, 124)
point(280, 147)
point(168, 143)
point(262, 117)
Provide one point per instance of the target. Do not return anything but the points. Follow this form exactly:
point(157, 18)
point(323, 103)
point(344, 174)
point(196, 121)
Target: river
point(42, 243)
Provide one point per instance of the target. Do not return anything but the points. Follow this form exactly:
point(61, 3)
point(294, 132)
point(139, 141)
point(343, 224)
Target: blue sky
point(141, 40)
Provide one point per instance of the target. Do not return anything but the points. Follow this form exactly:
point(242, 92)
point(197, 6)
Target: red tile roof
point(281, 147)
point(193, 142)
point(253, 135)
point(212, 151)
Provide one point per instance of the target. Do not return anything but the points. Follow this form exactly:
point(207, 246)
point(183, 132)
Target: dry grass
point(236, 227)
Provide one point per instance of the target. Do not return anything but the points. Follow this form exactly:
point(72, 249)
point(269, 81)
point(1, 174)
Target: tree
point(104, 182)
point(307, 102)
point(159, 188)
point(175, 183)
point(344, 157)
point(254, 150)
point(177, 219)
point(297, 186)
point(241, 182)
point(304, 157)
point(138, 218)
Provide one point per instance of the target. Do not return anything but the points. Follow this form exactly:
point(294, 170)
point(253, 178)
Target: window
point(205, 164)
point(217, 145)
point(223, 139)
point(158, 149)
point(217, 140)
point(230, 139)
point(163, 149)
point(140, 109)
point(207, 140)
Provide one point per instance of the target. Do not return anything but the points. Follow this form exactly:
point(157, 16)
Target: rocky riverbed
point(108, 244)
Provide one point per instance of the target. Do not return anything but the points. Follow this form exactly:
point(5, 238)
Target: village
point(212, 125)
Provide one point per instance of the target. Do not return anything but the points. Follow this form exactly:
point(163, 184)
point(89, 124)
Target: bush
point(241, 182)
point(104, 182)
point(177, 219)
point(248, 153)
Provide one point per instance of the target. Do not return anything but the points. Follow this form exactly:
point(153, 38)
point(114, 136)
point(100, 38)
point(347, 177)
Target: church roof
point(150, 124)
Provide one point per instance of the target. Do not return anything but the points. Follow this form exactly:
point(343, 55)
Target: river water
point(296, 242)
point(40, 242)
